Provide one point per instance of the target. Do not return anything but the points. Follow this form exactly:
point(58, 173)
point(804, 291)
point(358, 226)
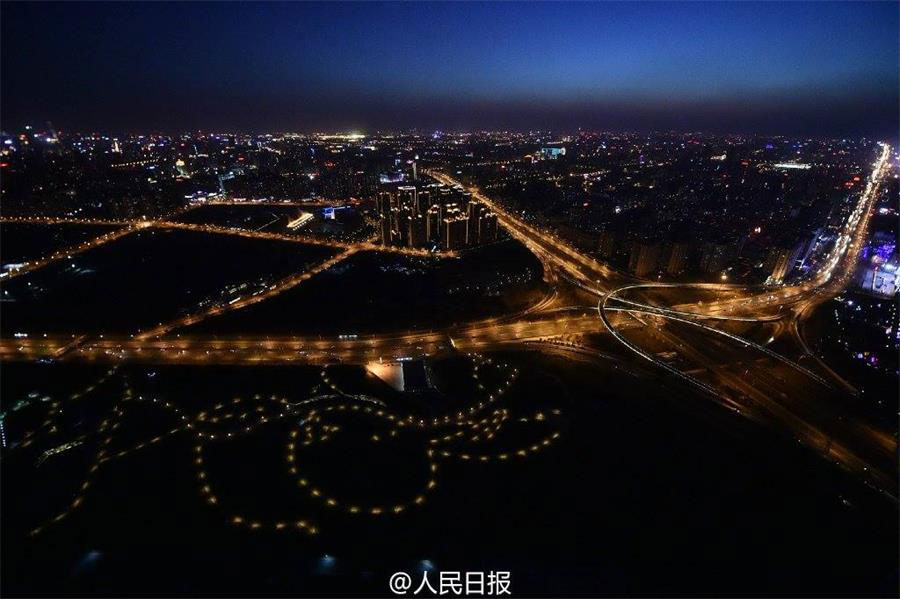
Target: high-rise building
point(384, 230)
point(487, 227)
point(451, 208)
point(444, 195)
point(781, 260)
point(407, 198)
point(383, 202)
point(475, 209)
point(436, 214)
point(423, 199)
point(606, 245)
point(431, 193)
point(433, 224)
point(714, 257)
point(643, 257)
point(676, 258)
point(455, 231)
point(402, 226)
point(417, 231)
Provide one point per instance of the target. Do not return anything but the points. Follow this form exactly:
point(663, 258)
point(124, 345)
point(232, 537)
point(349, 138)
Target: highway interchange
point(723, 344)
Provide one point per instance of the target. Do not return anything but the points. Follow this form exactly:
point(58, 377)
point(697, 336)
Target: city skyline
point(449, 299)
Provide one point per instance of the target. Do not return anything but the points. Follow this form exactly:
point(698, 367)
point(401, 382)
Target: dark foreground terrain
point(640, 491)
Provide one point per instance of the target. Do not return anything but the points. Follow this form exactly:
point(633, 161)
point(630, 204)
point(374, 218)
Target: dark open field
point(20, 242)
point(145, 278)
point(375, 292)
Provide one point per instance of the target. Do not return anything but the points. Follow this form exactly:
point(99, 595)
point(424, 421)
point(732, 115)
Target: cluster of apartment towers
point(649, 257)
point(434, 215)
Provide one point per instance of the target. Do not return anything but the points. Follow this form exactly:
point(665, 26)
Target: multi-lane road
point(744, 376)
point(126, 227)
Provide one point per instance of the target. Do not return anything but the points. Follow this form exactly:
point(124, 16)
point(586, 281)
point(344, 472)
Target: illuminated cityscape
point(522, 326)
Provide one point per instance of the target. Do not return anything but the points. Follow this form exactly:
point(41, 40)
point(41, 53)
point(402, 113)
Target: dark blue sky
point(816, 68)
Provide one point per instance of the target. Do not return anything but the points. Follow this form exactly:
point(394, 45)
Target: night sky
point(810, 68)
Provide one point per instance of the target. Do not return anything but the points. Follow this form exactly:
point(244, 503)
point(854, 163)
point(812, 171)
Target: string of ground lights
point(466, 435)
point(55, 409)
